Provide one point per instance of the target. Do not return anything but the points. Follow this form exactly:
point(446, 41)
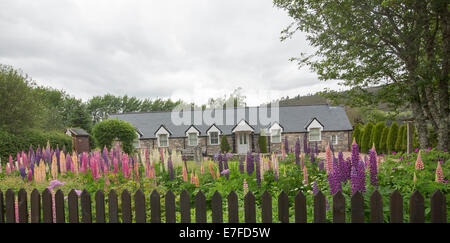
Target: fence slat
point(216, 208)
point(10, 206)
point(396, 207)
point(283, 207)
point(437, 206)
point(320, 208)
point(357, 208)
point(233, 208)
point(170, 207)
point(139, 207)
point(35, 202)
point(73, 206)
point(126, 207)
point(155, 207)
point(2, 208)
point(338, 208)
point(100, 207)
point(47, 206)
point(113, 207)
point(200, 208)
point(376, 208)
point(249, 208)
point(185, 207)
point(59, 207)
point(300, 208)
point(86, 210)
point(22, 206)
point(416, 208)
point(266, 207)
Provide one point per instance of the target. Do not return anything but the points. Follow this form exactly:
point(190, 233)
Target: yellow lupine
point(54, 169)
point(62, 163)
point(75, 163)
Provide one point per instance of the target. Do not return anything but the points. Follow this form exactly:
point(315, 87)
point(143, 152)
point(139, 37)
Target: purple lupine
point(315, 188)
point(250, 165)
point(320, 164)
point(341, 165)
point(241, 165)
point(373, 168)
point(355, 155)
point(170, 166)
point(225, 165)
point(220, 159)
point(297, 152)
point(354, 179)
point(305, 144)
point(317, 149)
point(58, 153)
point(286, 145)
point(22, 172)
point(312, 157)
point(336, 177)
point(105, 156)
point(362, 177)
point(258, 169)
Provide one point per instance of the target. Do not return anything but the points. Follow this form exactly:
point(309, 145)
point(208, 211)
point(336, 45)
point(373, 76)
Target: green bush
point(383, 140)
point(400, 136)
point(224, 145)
point(392, 137)
point(357, 133)
point(365, 142)
point(262, 142)
point(376, 135)
point(106, 131)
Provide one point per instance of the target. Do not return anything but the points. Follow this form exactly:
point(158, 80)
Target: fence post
point(126, 207)
point(10, 207)
point(47, 206)
point(185, 207)
point(338, 208)
point(35, 206)
point(396, 207)
point(139, 207)
point(73, 206)
point(300, 208)
point(416, 208)
point(170, 207)
point(266, 207)
point(100, 207)
point(357, 208)
point(216, 208)
point(113, 207)
point(155, 207)
point(283, 207)
point(59, 207)
point(2, 208)
point(437, 206)
point(22, 206)
point(376, 208)
point(200, 208)
point(320, 208)
point(249, 208)
point(233, 208)
point(86, 210)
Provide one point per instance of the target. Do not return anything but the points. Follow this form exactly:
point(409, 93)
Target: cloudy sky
point(182, 49)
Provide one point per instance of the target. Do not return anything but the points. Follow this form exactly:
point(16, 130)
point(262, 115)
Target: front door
point(243, 143)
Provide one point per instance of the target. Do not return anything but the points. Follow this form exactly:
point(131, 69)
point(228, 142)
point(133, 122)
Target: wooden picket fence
point(7, 207)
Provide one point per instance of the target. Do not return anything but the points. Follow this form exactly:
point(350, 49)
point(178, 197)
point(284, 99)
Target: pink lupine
point(116, 168)
point(125, 168)
point(8, 170)
point(29, 175)
point(329, 160)
point(136, 170)
point(439, 174)
point(162, 155)
point(419, 162)
point(305, 175)
point(245, 185)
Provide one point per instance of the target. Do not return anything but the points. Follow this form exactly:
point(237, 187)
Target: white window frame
point(189, 139)
point(274, 131)
point(159, 140)
point(334, 142)
point(210, 138)
point(320, 134)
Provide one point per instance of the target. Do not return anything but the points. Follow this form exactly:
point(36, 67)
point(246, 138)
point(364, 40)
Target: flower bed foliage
point(291, 173)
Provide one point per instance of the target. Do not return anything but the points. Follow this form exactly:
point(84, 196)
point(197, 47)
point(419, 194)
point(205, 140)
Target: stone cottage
point(322, 124)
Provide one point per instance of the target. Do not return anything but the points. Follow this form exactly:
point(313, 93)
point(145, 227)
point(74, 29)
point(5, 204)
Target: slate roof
point(78, 131)
point(291, 118)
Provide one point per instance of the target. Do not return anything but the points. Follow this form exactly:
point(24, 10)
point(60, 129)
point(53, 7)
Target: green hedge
point(376, 135)
point(262, 142)
point(11, 143)
point(383, 140)
point(224, 145)
point(105, 132)
point(392, 137)
point(366, 137)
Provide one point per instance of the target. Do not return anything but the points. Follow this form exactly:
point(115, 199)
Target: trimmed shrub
point(383, 140)
point(262, 142)
point(376, 135)
point(365, 142)
point(392, 137)
point(224, 145)
point(400, 135)
point(357, 133)
point(105, 132)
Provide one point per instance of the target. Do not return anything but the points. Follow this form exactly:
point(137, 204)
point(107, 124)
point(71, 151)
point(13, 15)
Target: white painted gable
point(275, 126)
point(213, 128)
point(315, 124)
point(162, 130)
point(192, 129)
point(243, 127)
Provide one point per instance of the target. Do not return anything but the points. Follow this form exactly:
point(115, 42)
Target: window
point(314, 134)
point(334, 139)
point(163, 140)
point(276, 136)
point(214, 138)
point(193, 139)
point(136, 144)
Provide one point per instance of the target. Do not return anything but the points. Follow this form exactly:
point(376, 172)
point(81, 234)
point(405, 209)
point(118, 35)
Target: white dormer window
point(214, 138)
point(163, 140)
point(193, 139)
point(314, 129)
point(275, 133)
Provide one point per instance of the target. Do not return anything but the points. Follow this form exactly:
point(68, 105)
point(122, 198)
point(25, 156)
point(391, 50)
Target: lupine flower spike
point(419, 162)
point(439, 174)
